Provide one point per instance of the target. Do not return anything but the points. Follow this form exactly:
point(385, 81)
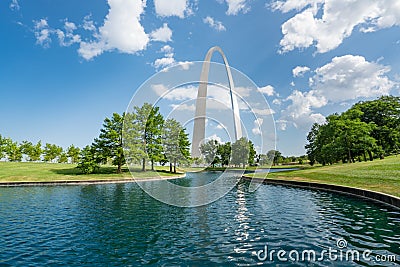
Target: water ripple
point(119, 225)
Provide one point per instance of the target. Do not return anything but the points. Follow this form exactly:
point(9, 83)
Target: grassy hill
point(42, 172)
point(378, 175)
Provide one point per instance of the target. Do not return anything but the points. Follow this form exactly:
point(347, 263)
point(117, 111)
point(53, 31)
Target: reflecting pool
point(120, 225)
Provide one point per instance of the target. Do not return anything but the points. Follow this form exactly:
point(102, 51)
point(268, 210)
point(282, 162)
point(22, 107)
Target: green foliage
point(73, 153)
point(13, 150)
point(175, 143)
point(51, 152)
point(2, 147)
point(63, 158)
point(142, 134)
point(88, 162)
point(209, 151)
point(153, 134)
point(252, 153)
point(367, 130)
point(32, 152)
point(224, 152)
point(385, 114)
point(240, 152)
point(109, 143)
point(275, 157)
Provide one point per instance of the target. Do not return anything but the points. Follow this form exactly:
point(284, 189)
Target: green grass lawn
point(378, 175)
point(42, 172)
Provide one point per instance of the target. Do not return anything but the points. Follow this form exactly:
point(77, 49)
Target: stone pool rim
point(384, 198)
point(88, 182)
point(355, 191)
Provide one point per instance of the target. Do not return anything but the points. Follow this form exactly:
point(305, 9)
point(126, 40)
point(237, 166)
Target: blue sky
point(66, 65)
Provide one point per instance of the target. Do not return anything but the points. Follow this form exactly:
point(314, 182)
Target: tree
point(133, 144)
point(252, 153)
point(224, 152)
point(73, 153)
point(171, 141)
point(109, 143)
point(240, 152)
point(2, 147)
point(209, 152)
point(175, 144)
point(275, 156)
point(36, 152)
point(63, 158)
point(26, 148)
point(153, 133)
point(343, 137)
point(51, 152)
point(33, 152)
point(143, 134)
point(312, 146)
point(385, 114)
point(13, 150)
point(88, 162)
point(263, 159)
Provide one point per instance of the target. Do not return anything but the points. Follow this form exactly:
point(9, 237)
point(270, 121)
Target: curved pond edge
point(88, 182)
point(359, 192)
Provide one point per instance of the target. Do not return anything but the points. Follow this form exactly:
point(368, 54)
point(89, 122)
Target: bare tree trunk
point(144, 165)
point(349, 156)
point(174, 166)
point(152, 165)
point(371, 158)
point(170, 167)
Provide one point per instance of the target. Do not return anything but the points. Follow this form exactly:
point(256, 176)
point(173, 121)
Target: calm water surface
point(120, 225)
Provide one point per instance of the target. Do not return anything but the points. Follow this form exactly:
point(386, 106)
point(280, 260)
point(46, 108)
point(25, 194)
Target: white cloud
point(164, 62)
point(42, 32)
point(168, 60)
point(300, 112)
point(300, 70)
point(216, 138)
point(215, 24)
point(350, 77)
point(14, 5)
point(184, 106)
point(344, 78)
point(121, 30)
point(289, 5)
point(68, 37)
point(277, 101)
point(176, 94)
point(263, 112)
point(88, 24)
point(257, 126)
point(166, 49)
point(268, 90)
point(162, 34)
point(185, 65)
point(338, 20)
point(236, 6)
point(171, 8)
point(281, 124)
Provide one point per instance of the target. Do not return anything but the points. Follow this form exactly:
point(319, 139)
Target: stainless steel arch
point(200, 115)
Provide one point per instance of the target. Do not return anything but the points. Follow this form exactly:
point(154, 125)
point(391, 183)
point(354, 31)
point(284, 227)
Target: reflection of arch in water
point(199, 130)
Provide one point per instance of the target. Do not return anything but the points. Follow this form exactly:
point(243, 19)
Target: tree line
point(137, 137)
point(15, 152)
point(366, 131)
point(241, 152)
